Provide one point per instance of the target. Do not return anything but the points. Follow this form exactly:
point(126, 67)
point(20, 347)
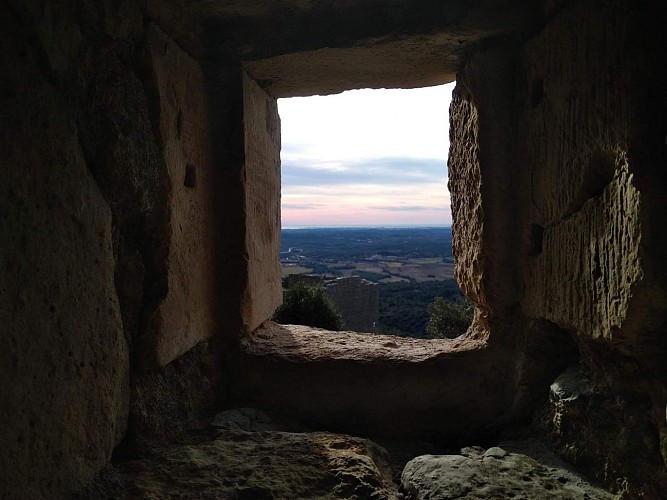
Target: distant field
point(431, 260)
point(389, 271)
point(382, 255)
point(287, 270)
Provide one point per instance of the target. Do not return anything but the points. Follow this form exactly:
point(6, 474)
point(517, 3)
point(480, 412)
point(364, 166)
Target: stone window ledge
point(298, 343)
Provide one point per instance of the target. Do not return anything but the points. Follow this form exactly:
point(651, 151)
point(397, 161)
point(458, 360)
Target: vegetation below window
point(404, 305)
point(308, 305)
point(449, 319)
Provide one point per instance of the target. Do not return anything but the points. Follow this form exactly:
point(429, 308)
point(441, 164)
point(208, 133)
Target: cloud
point(407, 208)
point(301, 206)
point(366, 157)
point(388, 171)
point(370, 123)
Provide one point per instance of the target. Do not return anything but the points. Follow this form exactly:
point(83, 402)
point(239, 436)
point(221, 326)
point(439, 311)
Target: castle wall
point(591, 136)
point(555, 220)
point(64, 362)
point(358, 302)
point(139, 217)
point(187, 313)
point(261, 176)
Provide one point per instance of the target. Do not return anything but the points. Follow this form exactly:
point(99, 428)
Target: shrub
point(449, 319)
point(308, 305)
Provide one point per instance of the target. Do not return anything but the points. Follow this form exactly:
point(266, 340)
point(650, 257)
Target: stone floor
point(247, 455)
point(350, 383)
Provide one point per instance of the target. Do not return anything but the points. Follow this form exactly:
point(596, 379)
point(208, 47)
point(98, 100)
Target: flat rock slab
point(262, 465)
point(494, 473)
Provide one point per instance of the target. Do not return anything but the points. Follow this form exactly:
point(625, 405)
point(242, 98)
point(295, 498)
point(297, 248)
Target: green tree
point(308, 305)
point(449, 319)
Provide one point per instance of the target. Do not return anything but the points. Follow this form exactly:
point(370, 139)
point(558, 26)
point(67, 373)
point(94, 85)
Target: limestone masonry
point(139, 240)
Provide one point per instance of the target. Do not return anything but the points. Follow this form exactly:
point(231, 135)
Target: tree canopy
point(305, 304)
point(449, 319)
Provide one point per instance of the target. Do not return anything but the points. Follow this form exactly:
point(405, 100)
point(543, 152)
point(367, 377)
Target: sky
point(366, 158)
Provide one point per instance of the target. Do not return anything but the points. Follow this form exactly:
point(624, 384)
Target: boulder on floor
point(494, 473)
point(260, 465)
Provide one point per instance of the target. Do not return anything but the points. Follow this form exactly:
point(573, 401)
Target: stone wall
point(139, 215)
point(554, 163)
point(589, 122)
point(187, 313)
point(63, 358)
point(108, 241)
point(357, 301)
point(261, 177)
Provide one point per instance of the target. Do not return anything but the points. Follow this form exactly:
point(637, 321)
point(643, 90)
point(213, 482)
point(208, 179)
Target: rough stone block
point(63, 357)
point(187, 314)
point(261, 174)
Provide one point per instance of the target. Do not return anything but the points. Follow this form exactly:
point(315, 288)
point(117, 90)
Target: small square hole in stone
point(190, 176)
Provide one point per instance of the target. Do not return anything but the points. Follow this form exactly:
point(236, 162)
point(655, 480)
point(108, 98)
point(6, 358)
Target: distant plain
point(382, 255)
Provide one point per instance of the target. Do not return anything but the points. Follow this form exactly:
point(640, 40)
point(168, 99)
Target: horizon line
point(369, 226)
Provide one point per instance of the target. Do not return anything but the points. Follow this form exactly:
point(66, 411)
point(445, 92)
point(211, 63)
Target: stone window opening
point(444, 387)
point(354, 282)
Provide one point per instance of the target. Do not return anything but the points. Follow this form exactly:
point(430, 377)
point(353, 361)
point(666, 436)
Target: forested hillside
point(403, 305)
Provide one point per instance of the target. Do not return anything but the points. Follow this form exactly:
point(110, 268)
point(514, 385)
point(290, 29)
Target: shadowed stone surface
point(260, 465)
point(588, 128)
point(64, 364)
point(554, 162)
point(307, 47)
point(350, 382)
point(494, 473)
point(138, 213)
point(245, 419)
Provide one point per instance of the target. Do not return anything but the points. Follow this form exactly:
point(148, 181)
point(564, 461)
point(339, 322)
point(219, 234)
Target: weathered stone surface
point(350, 382)
point(466, 194)
point(494, 473)
point(307, 47)
point(302, 344)
point(259, 465)
point(187, 313)
point(245, 419)
point(261, 174)
point(357, 301)
point(585, 195)
point(585, 120)
point(63, 358)
point(607, 432)
point(484, 185)
point(166, 402)
point(553, 172)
